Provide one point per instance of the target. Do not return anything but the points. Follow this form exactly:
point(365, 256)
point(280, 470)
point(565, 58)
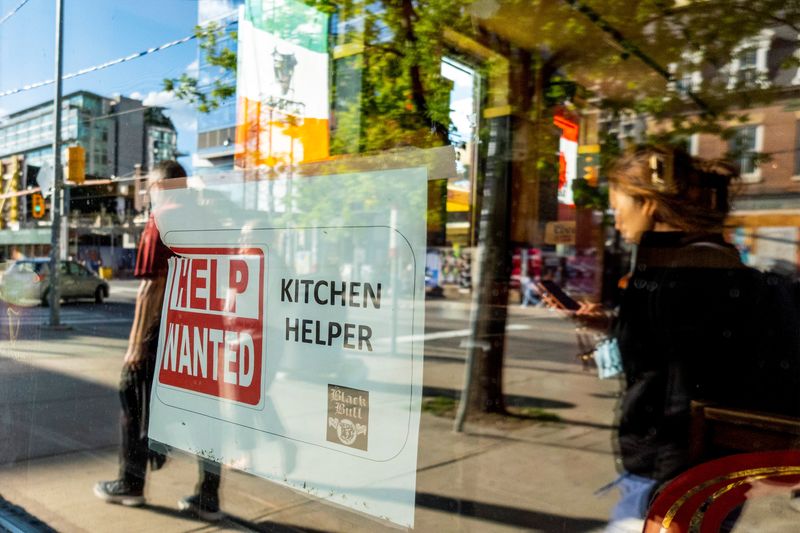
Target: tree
point(212, 93)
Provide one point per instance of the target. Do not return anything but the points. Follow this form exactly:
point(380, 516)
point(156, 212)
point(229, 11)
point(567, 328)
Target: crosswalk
point(38, 316)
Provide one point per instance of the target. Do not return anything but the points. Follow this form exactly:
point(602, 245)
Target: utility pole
point(58, 177)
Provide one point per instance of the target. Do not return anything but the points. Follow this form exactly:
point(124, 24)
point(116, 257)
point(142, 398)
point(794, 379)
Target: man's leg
point(209, 479)
point(134, 449)
point(128, 488)
point(205, 500)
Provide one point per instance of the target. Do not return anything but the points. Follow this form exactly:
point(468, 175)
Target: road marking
point(41, 321)
point(40, 316)
point(454, 334)
point(129, 290)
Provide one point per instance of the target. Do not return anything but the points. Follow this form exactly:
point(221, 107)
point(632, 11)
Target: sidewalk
point(531, 476)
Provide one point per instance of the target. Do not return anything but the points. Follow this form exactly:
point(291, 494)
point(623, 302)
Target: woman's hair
point(690, 194)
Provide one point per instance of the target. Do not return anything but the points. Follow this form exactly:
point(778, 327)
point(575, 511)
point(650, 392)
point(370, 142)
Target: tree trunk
point(484, 387)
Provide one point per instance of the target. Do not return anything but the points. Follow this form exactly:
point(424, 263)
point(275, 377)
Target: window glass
point(478, 265)
point(743, 146)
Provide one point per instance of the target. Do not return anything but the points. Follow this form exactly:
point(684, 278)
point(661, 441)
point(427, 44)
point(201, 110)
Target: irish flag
point(282, 85)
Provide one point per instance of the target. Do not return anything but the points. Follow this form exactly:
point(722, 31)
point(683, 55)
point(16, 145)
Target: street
point(59, 432)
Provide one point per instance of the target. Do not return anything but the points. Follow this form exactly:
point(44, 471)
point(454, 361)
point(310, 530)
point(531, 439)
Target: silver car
point(27, 282)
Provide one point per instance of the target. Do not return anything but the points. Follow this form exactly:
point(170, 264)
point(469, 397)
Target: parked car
point(27, 282)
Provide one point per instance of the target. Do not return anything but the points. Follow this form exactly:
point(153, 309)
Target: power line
point(13, 11)
point(107, 64)
point(99, 67)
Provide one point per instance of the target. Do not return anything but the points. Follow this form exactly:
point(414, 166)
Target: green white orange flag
point(282, 85)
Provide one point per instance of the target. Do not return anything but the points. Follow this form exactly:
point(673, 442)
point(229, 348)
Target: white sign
point(290, 343)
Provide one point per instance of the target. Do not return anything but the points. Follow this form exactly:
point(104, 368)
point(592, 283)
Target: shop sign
point(567, 156)
point(291, 339)
point(560, 232)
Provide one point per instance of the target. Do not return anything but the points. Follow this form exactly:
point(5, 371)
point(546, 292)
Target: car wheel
point(98, 295)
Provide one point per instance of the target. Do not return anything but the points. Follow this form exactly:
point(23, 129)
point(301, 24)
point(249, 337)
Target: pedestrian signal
point(38, 208)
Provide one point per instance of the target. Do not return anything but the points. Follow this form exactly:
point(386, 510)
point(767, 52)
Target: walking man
point(136, 381)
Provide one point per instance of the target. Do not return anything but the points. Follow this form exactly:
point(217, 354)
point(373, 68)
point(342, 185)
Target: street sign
point(291, 335)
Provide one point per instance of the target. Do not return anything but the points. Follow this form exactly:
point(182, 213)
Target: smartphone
point(565, 300)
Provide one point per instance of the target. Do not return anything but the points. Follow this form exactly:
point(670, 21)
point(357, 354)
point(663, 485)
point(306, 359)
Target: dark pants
point(134, 394)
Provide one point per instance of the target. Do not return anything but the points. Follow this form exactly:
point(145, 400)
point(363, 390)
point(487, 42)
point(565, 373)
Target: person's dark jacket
point(682, 325)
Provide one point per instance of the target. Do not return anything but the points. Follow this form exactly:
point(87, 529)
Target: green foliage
point(440, 405)
point(538, 414)
point(587, 196)
point(217, 54)
point(404, 100)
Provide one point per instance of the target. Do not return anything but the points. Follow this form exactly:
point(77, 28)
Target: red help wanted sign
point(213, 335)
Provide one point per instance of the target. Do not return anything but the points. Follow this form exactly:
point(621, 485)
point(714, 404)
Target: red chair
point(701, 498)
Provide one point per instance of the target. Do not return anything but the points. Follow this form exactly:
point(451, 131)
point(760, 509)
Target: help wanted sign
point(213, 343)
point(290, 340)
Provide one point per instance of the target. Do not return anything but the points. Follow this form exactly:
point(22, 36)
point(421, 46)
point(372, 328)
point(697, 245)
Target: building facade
point(216, 130)
point(121, 137)
point(117, 133)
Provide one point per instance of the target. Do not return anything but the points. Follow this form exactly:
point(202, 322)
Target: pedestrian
point(530, 295)
point(137, 378)
point(674, 313)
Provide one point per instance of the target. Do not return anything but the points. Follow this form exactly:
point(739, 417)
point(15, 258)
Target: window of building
point(744, 148)
point(748, 69)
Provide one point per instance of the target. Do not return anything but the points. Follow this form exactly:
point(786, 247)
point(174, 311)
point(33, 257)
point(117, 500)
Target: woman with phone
point(678, 321)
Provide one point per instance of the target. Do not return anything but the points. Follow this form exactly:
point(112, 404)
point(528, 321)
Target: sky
point(96, 31)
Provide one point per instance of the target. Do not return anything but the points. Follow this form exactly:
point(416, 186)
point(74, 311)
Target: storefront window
point(330, 266)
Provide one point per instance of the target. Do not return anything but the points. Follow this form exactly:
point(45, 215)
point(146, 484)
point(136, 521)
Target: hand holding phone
point(556, 296)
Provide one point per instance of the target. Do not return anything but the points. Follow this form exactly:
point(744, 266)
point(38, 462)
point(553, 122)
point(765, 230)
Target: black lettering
point(318, 328)
point(286, 296)
point(334, 331)
point(307, 331)
point(364, 334)
point(376, 298)
point(348, 335)
point(290, 329)
point(335, 293)
point(317, 299)
point(354, 286)
point(296, 291)
point(306, 283)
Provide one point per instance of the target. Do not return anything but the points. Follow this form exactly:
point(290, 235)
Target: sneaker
point(204, 508)
point(118, 491)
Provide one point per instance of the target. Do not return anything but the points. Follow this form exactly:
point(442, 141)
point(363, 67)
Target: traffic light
point(589, 163)
point(76, 164)
point(37, 205)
